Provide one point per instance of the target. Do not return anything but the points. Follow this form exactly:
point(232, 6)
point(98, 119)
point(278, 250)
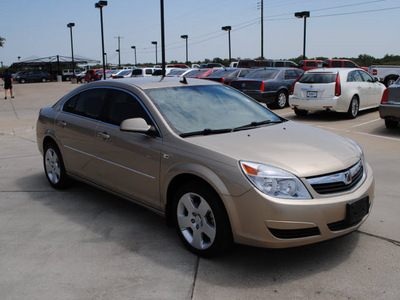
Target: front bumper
point(262, 221)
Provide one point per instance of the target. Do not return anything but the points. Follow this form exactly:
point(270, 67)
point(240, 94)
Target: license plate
point(356, 210)
point(312, 94)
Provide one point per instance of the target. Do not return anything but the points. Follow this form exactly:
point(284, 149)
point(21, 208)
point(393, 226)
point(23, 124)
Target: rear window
point(223, 73)
point(195, 73)
point(318, 78)
point(263, 74)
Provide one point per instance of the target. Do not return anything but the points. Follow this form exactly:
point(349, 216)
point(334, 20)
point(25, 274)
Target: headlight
point(275, 182)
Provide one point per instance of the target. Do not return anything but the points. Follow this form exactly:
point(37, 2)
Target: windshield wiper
point(206, 131)
point(256, 124)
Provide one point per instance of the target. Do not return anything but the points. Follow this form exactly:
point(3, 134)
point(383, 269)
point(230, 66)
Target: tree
point(2, 41)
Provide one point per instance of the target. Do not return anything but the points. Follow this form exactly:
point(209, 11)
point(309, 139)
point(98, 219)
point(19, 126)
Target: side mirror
point(135, 125)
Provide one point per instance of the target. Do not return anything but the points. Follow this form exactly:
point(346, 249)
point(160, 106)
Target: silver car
point(218, 165)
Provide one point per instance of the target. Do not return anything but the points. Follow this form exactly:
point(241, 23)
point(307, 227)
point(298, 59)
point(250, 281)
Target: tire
point(281, 100)
point(353, 108)
point(43, 79)
point(54, 166)
point(391, 123)
point(23, 80)
point(201, 220)
point(300, 112)
point(390, 81)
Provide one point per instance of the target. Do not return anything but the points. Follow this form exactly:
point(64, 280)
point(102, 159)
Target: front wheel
point(201, 220)
point(353, 108)
point(54, 166)
point(22, 80)
point(44, 79)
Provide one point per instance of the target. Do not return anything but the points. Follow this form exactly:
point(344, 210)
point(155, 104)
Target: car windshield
point(191, 109)
point(263, 74)
point(318, 78)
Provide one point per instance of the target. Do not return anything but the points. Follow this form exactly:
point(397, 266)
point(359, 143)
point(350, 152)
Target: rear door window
point(89, 103)
point(336, 64)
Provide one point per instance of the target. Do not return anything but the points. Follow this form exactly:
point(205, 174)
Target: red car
point(93, 75)
point(310, 64)
point(342, 63)
point(199, 73)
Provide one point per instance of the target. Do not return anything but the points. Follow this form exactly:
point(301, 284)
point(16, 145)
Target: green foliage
point(2, 41)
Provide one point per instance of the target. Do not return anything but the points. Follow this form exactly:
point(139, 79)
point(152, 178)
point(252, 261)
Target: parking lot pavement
point(82, 243)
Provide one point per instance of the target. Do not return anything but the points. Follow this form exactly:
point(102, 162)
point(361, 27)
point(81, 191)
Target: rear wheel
point(22, 80)
point(201, 220)
point(44, 79)
point(353, 108)
point(391, 123)
point(54, 166)
point(300, 112)
point(281, 99)
point(390, 80)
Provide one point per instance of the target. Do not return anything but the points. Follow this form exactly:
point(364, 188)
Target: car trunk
point(394, 94)
point(247, 85)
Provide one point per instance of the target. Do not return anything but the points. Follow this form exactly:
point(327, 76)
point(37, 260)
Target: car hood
point(300, 149)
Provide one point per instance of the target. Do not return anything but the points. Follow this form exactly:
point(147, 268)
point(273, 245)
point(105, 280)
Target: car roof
point(151, 82)
point(332, 70)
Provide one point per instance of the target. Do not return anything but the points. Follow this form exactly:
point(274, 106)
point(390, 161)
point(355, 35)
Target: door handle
point(103, 135)
point(61, 123)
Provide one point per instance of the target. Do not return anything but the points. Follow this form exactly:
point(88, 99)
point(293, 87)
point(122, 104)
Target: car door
point(75, 127)
point(374, 89)
point(129, 161)
point(290, 76)
point(357, 85)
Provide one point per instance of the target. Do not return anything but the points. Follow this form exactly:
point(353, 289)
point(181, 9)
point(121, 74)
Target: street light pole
point(185, 37)
point(228, 28)
point(100, 5)
point(304, 15)
point(134, 48)
point(155, 43)
point(70, 25)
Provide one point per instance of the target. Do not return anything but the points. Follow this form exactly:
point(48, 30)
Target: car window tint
point(89, 103)
point(149, 71)
point(244, 73)
point(366, 76)
point(349, 64)
point(357, 76)
point(279, 64)
point(336, 64)
point(263, 74)
point(310, 64)
point(318, 78)
point(122, 106)
point(290, 74)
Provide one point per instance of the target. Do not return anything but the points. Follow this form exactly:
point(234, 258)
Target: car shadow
point(103, 218)
point(326, 116)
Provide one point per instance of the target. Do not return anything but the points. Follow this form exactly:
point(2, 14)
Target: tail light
point(223, 80)
point(374, 72)
point(338, 90)
point(262, 88)
point(293, 84)
point(385, 96)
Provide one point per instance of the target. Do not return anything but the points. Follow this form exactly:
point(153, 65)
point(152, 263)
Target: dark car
point(227, 75)
point(390, 105)
point(33, 76)
point(269, 85)
point(199, 73)
point(266, 63)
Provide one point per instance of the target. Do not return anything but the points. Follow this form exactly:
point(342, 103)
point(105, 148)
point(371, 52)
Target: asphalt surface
point(82, 243)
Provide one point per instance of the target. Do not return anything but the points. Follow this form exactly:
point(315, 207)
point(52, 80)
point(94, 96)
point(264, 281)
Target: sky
point(339, 28)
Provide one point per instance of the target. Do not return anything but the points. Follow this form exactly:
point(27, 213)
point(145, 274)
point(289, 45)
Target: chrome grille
point(338, 182)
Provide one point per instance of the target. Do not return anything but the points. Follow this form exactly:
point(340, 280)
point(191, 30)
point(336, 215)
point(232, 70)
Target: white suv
point(340, 90)
point(143, 72)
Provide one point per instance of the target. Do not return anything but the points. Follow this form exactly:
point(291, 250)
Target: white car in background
point(143, 72)
point(339, 90)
